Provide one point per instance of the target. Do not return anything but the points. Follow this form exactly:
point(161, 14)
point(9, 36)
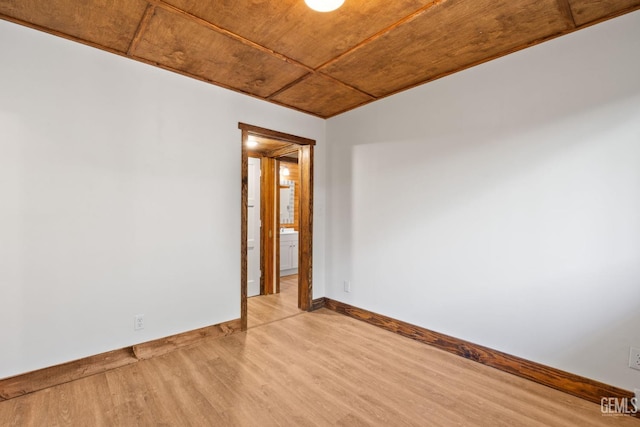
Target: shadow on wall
point(510, 242)
point(500, 205)
point(610, 339)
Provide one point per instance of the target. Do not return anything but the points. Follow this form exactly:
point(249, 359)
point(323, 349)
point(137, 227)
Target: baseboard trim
point(161, 346)
point(29, 382)
point(578, 386)
point(318, 303)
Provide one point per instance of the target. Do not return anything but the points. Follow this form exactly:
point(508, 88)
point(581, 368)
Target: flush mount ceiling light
point(251, 141)
point(324, 5)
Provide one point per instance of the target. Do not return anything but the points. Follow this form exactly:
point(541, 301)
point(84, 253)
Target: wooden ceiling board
point(109, 23)
point(319, 63)
point(448, 37)
point(322, 96)
point(176, 42)
point(292, 29)
point(266, 145)
point(585, 11)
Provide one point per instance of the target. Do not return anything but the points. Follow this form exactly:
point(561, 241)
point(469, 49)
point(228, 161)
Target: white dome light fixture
point(324, 5)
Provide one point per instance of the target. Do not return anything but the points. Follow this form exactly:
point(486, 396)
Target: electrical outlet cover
point(634, 358)
point(138, 322)
point(347, 286)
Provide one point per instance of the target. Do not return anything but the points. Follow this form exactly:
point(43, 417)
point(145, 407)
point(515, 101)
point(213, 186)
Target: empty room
point(319, 213)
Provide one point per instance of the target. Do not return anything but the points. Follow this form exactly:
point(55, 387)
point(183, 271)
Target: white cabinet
point(288, 253)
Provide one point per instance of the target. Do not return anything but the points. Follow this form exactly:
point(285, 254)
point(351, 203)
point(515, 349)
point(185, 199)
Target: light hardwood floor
point(312, 369)
point(268, 308)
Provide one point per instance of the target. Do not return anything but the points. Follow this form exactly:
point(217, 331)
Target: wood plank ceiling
point(320, 63)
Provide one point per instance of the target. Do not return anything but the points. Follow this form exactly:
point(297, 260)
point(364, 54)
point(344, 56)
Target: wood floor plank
point(312, 369)
point(48, 377)
point(264, 309)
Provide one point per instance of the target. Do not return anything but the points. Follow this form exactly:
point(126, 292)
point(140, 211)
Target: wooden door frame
point(268, 231)
point(305, 232)
point(276, 243)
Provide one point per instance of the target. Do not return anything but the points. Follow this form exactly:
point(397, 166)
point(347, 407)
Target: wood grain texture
point(244, 232)
point(161, 346)
point(565, 9)
point(290, 159)
point(584, 388)
point(312, 369)
point(276, 135)
point(269, 231)
point(284, 151)
point(294, 175)
point(321, 64)
point(276, 219)
point(318, 303)
point(267, 146)
point(263, 309)
point(20, 385)
point(142, 27)
point(305, 232)
point(182, 44)
point(291, 28)
point(30, 382)
point(110, 23)
point(426, 47)
point(223, 31)
point(322, 95)
point(586, 11)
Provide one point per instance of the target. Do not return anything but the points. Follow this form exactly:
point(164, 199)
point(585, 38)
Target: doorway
point(272, 146)
point(253, 228)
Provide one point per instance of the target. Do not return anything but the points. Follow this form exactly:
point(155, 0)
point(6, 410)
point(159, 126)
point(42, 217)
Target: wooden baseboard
point(64, 373)
point(20, 385)
point(161, 346)
point(575, 385)
point(317, 303)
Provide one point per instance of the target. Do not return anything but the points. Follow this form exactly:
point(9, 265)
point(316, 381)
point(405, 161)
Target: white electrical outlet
point(347, 286)
point(634, 358)
point(138, 322)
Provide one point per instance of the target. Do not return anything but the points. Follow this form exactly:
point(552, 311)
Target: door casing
point(305, 232)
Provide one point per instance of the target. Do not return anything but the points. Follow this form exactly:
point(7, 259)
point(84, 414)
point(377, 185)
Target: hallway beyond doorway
point(264, 309)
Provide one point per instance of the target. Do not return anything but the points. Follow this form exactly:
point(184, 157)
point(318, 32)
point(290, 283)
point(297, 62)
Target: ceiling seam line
point(608, 17)
point(381, 33)
point(140, 59)
point(142, 27)
point(194, 76)
point(565, 8)
point(364, 92)
point(289, 85)
point(228, 33)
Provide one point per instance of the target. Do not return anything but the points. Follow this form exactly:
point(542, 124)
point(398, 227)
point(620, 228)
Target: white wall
point(501, 205)
point(120, 194)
